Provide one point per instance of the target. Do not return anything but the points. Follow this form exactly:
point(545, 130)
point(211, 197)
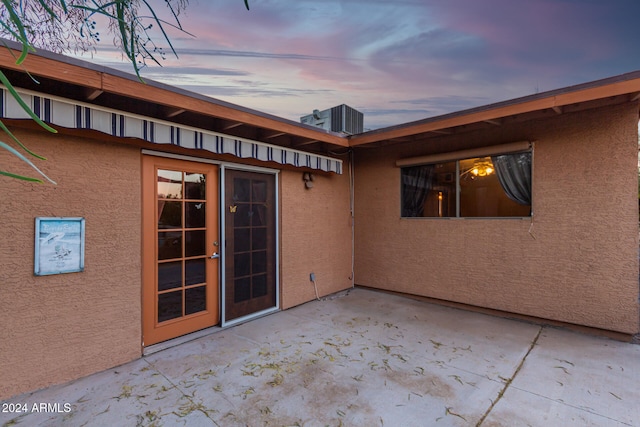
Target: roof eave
point(624, 84)
point(99, 79)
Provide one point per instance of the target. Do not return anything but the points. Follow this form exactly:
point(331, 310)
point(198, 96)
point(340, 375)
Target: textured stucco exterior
point(576, 261)
point(316, 236)
point(579, 264)
point(60, 327)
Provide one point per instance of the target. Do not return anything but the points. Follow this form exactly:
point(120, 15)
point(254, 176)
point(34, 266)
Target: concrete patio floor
point(362, 358)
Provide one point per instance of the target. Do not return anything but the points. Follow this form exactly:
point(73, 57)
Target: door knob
point(215, 255)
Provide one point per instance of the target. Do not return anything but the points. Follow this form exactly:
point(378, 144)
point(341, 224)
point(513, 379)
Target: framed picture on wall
point(59, 245)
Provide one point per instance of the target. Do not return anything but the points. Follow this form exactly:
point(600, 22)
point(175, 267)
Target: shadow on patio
point(362, 358)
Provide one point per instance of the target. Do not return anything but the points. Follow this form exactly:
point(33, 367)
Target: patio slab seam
point(371, 360)
point(511, 378)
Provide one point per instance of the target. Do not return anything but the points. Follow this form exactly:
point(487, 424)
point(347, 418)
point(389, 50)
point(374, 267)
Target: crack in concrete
point(510, 380)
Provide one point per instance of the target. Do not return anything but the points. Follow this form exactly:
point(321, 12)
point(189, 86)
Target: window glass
point(169, 184)
point(429, 190)
point(497, 186)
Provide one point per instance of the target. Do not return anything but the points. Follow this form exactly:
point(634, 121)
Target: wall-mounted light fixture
point(308, 178)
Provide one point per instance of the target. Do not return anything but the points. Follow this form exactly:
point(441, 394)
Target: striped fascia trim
point(75, 115)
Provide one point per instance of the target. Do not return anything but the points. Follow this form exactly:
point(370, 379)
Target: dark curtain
point(416, 183)
point(514, 174)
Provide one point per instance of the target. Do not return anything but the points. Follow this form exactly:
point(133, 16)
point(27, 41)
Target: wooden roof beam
point(93, 94)
point(175, 112)
point(233, 125)
point(493, 122)
point(273, 135)
point(309, 142)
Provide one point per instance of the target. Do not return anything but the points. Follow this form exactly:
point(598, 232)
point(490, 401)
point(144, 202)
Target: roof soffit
point(625, 88)
point(86, 82)
point(91, 83)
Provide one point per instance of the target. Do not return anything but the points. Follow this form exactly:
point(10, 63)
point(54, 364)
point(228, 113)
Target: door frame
point(152, 332)
point(223, 165)
point(223, 278)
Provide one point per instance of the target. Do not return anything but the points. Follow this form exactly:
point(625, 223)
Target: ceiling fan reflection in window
point(481, 167)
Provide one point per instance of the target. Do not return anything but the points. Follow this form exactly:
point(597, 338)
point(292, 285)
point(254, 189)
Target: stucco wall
point(582, 265)
point(55, 328)
point(315, 236)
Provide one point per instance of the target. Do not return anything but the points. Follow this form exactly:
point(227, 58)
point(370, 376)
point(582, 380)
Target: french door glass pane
point(242, 239)
point(169, 275)
point(258, 262)
point(195, 244)
point(259, 216)
point(169, 245)
point(242, 265)
point(194, 214)
point(241, 289)
point(169, 214)
point(195, 300)
point(241, 190)
point(169, 184)
point(259, 193)
point(169, 306)
point(194, 186)
point(242, 215)
point(194, 271)
point(259, 287)
point(259, 238)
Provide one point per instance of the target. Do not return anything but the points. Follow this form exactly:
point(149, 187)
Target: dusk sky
point(395, 61)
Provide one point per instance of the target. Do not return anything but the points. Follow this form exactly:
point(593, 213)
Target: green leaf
point(22, 37)
point(48, 9)
point(5, 81)
point(159, 22)
point(17, 141)
point(24, 159)
point(64, 6)
point(21, 177)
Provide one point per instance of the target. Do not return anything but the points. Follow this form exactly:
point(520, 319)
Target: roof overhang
point(614, 90)
point(82, 81)
point(104, 87)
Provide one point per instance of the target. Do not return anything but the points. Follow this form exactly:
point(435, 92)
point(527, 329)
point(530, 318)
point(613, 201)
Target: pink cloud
point(402, 57)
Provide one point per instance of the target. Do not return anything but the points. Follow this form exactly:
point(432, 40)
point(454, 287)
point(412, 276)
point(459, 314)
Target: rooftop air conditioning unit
point(342, 119)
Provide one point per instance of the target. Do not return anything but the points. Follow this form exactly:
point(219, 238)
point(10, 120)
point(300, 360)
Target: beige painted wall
point(582, 265)
point(59, 327)
point(315, 236)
